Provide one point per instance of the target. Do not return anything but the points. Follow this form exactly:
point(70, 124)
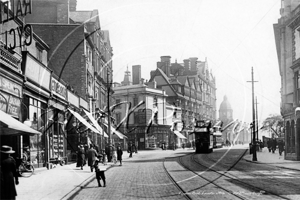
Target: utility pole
point(254, 158)
point(108, 116)
point(256, 118)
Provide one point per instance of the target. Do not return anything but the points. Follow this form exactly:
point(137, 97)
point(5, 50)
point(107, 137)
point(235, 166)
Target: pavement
point(63, 182)
point(266, 157)
point(60, 182)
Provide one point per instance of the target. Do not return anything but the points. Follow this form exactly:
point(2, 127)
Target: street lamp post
point(108, 117)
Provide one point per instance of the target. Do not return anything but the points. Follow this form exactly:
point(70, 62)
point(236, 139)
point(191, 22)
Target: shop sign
point(58, 88)
point(10, 87)
point(73, 99)
point(83, 103)
point(36, 71)
point(10, 104)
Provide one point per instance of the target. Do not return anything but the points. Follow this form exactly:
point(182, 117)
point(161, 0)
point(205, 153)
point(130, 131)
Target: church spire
point(127, 78)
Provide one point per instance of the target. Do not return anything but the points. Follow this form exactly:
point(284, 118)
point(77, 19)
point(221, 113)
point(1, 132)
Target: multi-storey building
point(190, 86)
point(142, 115)
point(78, 51)
point(287, 38)
point(24, 86)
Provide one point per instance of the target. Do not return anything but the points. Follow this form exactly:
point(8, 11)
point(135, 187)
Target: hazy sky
point(233, 35)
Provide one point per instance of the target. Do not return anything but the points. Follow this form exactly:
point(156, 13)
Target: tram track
point(226, 174)
point(182, 191)
point(208, 180)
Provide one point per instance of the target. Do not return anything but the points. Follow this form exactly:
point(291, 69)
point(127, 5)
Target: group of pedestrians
point(273, 143)
point(94, 158)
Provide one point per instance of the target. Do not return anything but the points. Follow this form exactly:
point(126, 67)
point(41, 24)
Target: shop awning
point(11, 126)
point(116, 132)
point(179, 134)
point(82, 120)
point(90, 116)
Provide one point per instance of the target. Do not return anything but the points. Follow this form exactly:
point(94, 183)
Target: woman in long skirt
point(80, 157)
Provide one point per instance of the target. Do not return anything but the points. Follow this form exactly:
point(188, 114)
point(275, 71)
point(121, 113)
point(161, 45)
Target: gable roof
point(159, 72)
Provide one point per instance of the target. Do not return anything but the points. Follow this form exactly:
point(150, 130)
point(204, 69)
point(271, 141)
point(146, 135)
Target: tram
point(203, 136)
point(217, 135)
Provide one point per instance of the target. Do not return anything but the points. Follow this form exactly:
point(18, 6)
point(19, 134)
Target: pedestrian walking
point(108, 153)
point(274, 145)
point(9, 176)
point(100, 174)
point(130, 150)
point(80, 157)
point(280, 146)
point(92, 154)
point(269, 144)
point(261, 145)
point(119, 154)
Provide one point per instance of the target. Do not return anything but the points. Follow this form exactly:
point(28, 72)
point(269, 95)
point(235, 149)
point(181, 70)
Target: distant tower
point(225, 115)
point(127, 78)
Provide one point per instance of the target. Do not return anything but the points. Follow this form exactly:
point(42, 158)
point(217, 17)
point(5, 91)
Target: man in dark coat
point(280, 146)
point(269, 143)
point(130, 149)
point(9, 176)
point(92, 154)
point(274, 145)
point(119, 154)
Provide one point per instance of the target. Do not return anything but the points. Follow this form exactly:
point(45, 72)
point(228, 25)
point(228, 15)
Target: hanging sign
point(21, 35)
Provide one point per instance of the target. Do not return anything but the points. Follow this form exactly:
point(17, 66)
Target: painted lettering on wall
point(58, 88)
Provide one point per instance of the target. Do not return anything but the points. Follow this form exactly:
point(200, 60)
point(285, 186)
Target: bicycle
point(25, 169)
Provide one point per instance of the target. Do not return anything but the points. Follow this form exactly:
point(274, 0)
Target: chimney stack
point(167, 63)
point(186, 64)
point(193, 63)
point(136, 74)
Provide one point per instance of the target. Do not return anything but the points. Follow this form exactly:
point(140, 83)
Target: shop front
point(11, 93)
point(57, 136)
point(36, 93)
point(145, 137)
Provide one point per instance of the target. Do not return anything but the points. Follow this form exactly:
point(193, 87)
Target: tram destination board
point(203, 129)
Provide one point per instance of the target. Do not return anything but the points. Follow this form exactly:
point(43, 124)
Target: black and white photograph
point(149, 99)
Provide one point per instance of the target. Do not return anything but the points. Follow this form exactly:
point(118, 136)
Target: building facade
point(53, 73)
point(190, 86)
point(287, 39)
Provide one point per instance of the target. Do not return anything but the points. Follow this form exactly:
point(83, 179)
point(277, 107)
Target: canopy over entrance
point(82, 120)
point(11, 126)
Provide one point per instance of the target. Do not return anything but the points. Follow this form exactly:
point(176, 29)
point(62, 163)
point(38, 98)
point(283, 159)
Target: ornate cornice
point(8, 59)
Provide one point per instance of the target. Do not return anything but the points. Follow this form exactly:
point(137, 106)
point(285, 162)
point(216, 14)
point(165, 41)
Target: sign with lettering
point(10, 104)
point(19, 8)
point(21, 35)
point(10, 87)
point(58, 88)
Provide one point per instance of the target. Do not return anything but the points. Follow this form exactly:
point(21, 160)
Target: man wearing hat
point(9, 174)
